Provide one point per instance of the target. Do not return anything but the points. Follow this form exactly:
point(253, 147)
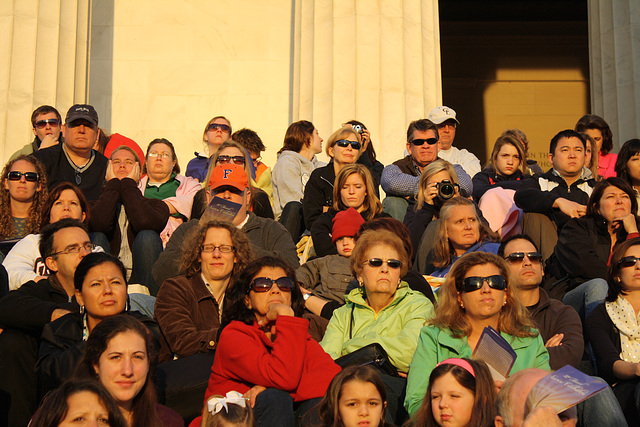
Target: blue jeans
point(587, 296)
point(145, 250)
point(395, 206)
point(274, 408)
point(601, 410)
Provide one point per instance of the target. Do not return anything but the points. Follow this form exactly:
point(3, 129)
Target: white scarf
point(624, 318)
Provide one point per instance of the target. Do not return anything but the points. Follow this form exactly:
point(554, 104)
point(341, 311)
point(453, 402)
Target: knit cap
point(346, 223)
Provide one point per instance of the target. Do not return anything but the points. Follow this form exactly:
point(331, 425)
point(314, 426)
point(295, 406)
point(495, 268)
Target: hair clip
point(215, 404)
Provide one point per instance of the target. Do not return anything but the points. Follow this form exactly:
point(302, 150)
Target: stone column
point(614, 33)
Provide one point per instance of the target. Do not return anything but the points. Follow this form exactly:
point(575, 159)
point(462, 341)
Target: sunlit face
point(588, 155)
point(217, 265)
point(84, 408)
point(353, 192)
point(633, 168)
point(630, 276)
point(345, 245)
point(360, 404)
point(614, 204)
point(568, 158)
point(65, 264)
point(451, 403)
point(66, 206)
point(260, 302)
point(316, 142)
point(123, 366)
point(526, 273)
point(384, 279)
point(80, 135)
point(463, 229)
point(447, 132)
point(22, 190)
point(104, 292)
point(486, 302)
point(215, 137)
point(159, 168)
point(425, 153)
point(597, 137)
point(508, 160)
point(345, 155)
point(123, 162)
point(232, 152)
point(49, 129)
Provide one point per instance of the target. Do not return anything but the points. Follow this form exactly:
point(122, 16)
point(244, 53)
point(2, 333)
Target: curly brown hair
point(193, 248)
point(35, 211)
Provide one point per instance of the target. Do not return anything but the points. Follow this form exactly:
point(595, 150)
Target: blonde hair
point(431, 169)
point(340, 134)
point(371, 204)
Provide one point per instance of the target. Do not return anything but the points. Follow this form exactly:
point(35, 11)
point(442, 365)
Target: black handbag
point(373, 354)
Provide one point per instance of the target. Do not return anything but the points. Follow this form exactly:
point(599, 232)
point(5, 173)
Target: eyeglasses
point(419, 142)
point(474, 283)
point(29, 176)
point(628, 261)
point(518, 257)
point(448, 123)
point(377, 262)
point(224, 159)
point(74, 249)
point(264, 284)
point(344, 143)
point(220, 127)
point(224, 249)
point(41, 124)
point(155, 155)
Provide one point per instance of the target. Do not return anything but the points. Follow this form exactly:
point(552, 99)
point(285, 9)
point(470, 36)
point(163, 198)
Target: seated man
point(400, 180)
point(267, 236)
point(559, 324)
point(46, 123)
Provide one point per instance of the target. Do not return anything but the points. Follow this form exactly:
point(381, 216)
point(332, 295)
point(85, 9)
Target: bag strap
point(353, 307)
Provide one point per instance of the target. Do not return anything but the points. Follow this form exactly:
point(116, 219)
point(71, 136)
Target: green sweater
point(396, 327)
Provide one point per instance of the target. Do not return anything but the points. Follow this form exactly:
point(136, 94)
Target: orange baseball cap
point(229, 174)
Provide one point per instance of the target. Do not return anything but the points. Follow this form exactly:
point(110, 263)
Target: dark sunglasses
point(83, 122)
point(518, 257)
point(29, 176)
point(377, 262)
point(220, 127)
point(41, 124)
point(224, 159)
point(344, 143)
point(474, 283)
point(419, 142)
point(628, 261)
point(264, 284)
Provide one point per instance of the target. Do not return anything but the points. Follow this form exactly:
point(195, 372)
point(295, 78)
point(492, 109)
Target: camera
point(357, 128)
point(446, 189)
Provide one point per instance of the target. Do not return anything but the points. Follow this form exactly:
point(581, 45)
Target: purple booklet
point(562, 389)
point(222, 210)
point(496, 352)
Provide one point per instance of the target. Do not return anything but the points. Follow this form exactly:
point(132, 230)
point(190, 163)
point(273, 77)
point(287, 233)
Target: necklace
point(79, 169)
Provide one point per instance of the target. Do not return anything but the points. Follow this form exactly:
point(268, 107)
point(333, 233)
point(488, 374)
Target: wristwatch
point(306, 296)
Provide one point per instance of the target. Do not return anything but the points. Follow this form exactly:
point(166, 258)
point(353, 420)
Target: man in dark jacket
point(559, 324)
point(25, 311)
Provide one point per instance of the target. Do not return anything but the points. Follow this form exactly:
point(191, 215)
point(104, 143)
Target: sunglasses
point(220, 127)
point(264, 284)
point(29, 176)
point(41, 124)
point(474, 283)
point(224, 159)
point(419, 142)
point(79, 122)
point(344, 143)
point(377, 262)
point(518, 257)
point(628, 261)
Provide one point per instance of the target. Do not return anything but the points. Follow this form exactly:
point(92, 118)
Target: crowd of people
point(247, 295)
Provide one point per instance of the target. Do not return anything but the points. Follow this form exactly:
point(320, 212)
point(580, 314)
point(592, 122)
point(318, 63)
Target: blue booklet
point(496, 352)
point(222, 210)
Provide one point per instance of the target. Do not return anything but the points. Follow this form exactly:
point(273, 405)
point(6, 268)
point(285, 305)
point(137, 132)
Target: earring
point(462, 306)
point(504, 303)
point(82, 309)
point(360, 283)
point(126, 305)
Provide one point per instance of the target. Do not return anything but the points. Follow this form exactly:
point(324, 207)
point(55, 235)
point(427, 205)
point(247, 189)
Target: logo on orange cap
point(231, 174)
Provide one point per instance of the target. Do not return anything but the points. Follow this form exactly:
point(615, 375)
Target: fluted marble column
point(377, 61)
point(614, 33)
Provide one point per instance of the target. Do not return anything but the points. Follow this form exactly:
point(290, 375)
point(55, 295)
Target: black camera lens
point(446, 189)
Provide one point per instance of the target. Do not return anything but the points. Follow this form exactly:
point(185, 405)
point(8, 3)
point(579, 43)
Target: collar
point(244, 221)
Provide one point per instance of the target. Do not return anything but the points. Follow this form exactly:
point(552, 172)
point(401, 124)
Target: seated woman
point(591, 161)
point(495, 185)
point(597, 128)
point(460, 231)
point(613, 329)
point(120, 354)
point(344, 148)
point(461, 392)
point(23, 262)
point(76, 401)
point(101, 291)
point(265, 350)
point(425, 207)
point(353, 189)
point(163, 182)
point(296, 160)
point(131, 222)
point(476, 294)
point(577, 270)
point(217, 131)
point(22, 195)
point(189, 308)
point(628, 165)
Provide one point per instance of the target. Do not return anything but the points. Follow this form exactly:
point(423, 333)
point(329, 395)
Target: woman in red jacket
point(265, 350)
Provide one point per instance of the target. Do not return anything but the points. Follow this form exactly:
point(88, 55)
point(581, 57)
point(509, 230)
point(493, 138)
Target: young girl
point(461, 393)
point(230, 411)
point(355, 396)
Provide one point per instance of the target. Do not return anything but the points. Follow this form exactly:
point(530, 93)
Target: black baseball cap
point(82, 111)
